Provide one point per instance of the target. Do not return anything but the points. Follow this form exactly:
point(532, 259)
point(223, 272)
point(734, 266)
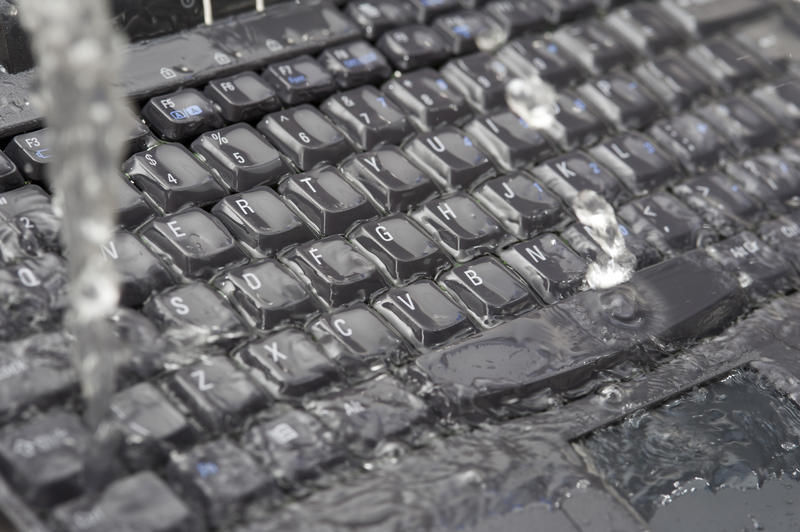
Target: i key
point(181, 115)
point(508, 140)
point(300, 80)
point(450, 157)
point(427, 99)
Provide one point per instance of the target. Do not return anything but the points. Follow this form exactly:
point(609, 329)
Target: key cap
point(132, 209)
point(584, 241)
point(288, 363)
point(426, 10)
point(770, 178)
point(703, 17)
point(783, 235)
point(637, 162)
point(10, 178)
point(552, 269)
point(516, 16)
point(300, 80)
point(327, 202)
point(336, 272)
point(241, 157)
point(194, 242)
point(728, 64)
point(480, 78)
point(521, 204)
point(782, 101)
point(266, 294)
point(674, 80)
point(742, 123)
point(357, 339)
point(31, 154)
point(594, 45)
point(462, 28)
point(773, 39)
point(303, 134)
point(139, 271)
point(575, 125)
point(646, 27)
point(388, 178)
point(367, 117)
point(354, 64)
point(721, 201)
point(423, 314)
point(568, 174)
point(691, 140)
point(377, 16)
point(181, 115)
point(488, 291)
point(28, 209)
point(172, 178)
point(508, 140)
point(559, 11)
point(426, 98)
point(620, 100)
point(403, 252)
point(528, 56)
point(460, 226)
point(412, 47)
point(450, 157)
point(243, 96)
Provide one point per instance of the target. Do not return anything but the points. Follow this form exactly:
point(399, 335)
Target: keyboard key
point(31, 154)
point(594, 45)
point(354, 64)
point(412, 47)
point(674, 80)
point(428, 9)
point(181, 115)
point(303, 134)
point(559, 11)
point(400, 248)
point(139, 271)
point(782, 101)
point(770, 178)
point(508, 140)
point(266, 294)
point(742, 123)
point(637, 162)
point(427, 99)
point(9, 176)
point(621, 100)
point(480, 78)
point(172, 178)
point(691, 140)
point(703, 17)
point(666, 223)
point(243, 96)
point(462, 29)
point(28, 209)
point(377, 16)
point(721, 201)
point(575, 125)
point(783, 235)
point(300, 80)
point(584, 240)
point(728, 64)
point(774, 39)
point(423, 314)
point(568, 174)
point(516, 16)
point(552, 269)
point(132, 209)
point(646, 27)
point(528, 56)
point(336, 272)
point(241, 157)
point(450, 157)
point(328, 203)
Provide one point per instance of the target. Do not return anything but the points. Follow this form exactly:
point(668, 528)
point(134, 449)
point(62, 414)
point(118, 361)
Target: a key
point(428, 9)
point(354, 64)
point(261, 221)
point(300, 80)
point(516, 16)
point(674, 80)
point(9, 176)
point(480, 78)
point(423, 314)
point(389, 179)
point(770, 178)
point(527, 56)
point(782, 100)
point(427, 99)
point(559, 11)
point(377, 16)
point(508, 140)
point(575, 124)
point(132, 209)
point(462, 29)
point(400, 248)
point(721, 201)
point(703, 17)
point(205, 472)
point(28, 209)
point(31, 154)
point(243, 96)
point(357, 339)
point(266, 294)
point(488, 290)
point(621, 100)
point(303, 134)
point(594, 45)
point(584, 241)
point(337, 273)
point(139, 271)
point(367, 117)
point(181, 115)
point(172, 178)
point(460, 226)
point(328, 203)
point(783, 235)
point(637, 161)
point(194, 242)
point(241, 157)
point(288, 363)
point(728, 64)
point(646, 27)
point(742, 123)
point(568, 174)
point(520, 203)
point(412, 47)
point(450, 157)
point(549, 266)
point(691, 140)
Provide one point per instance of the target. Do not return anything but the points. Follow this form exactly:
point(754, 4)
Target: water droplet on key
point(490, 37)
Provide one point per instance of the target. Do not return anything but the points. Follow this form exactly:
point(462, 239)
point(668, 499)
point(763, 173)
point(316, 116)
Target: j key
point(149, 423)
point(427, 99)
point(356, 63)
point(771, 178)
point(400, 248)
point(637, 162)
point(558, 11)
point(424, 314)
point(132, 209)
point(742, 123)
point(266, 294)
point(28, 208)
point(783, 234)
point(508, 140)
point(552, 269)
point(673, 80)
point(413, 47)
point(460, 226)
point(691, 140)
point(575, 125)
point(527, 56)
point(367, 117)
point(568, 174)
point(727, 63)
point(31, 153)
point(389, 179)
point(288, 363)
point(172, 178)
point(782, 101)
point(181, 115)
point(521, 204)
point(594, 45)
point(621, 100)
point(463, 28)
point(241, 157)
point(356, 338)
point(337, 272)
point(205, 472)
point(488, 290)
point(584, 241)
point(300, 80)
point(9, 176)
point(260, 221)
point(328, 203)
point(703, 17)
point(665, 223)
point(377, 16)
point(243, 96)
point(480, 78)
point(305, 136)
point(450, 157)
point(217, 393)
point(516, 16)
point(194, 241)
point(721, 201)
point(139, 271)
point(646, 27)
point(428, 9)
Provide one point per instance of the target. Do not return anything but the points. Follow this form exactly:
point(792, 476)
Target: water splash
point(79, 59)
point(599, 219)
point(490, 37)
point(535, 101)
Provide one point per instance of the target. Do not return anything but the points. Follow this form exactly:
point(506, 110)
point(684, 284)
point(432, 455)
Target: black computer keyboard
point(351, 276)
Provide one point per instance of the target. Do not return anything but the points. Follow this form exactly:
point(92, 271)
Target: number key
point(426, 98)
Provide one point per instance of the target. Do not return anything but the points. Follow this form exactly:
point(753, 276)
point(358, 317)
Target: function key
point(621, 100)
point(637, 162)
point(516, 16)
point(181, 115)
point(594, 45)
point(666, 223)
point(413, 47)
point(727, 63)
point(377, 16)
point(31, 154)
point(300, 80)
point(9, 176)
point(528, 56)
point(673, 80)
point(426, 10)
point(354, 64)
point(480, 78)
point(464, 28)
point(646, 27)
point(508, 140)
point(427, 99)
point(241, 97)
point(691, 140)
point(450, 157)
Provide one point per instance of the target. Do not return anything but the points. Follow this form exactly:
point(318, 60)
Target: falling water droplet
point(490, 37)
